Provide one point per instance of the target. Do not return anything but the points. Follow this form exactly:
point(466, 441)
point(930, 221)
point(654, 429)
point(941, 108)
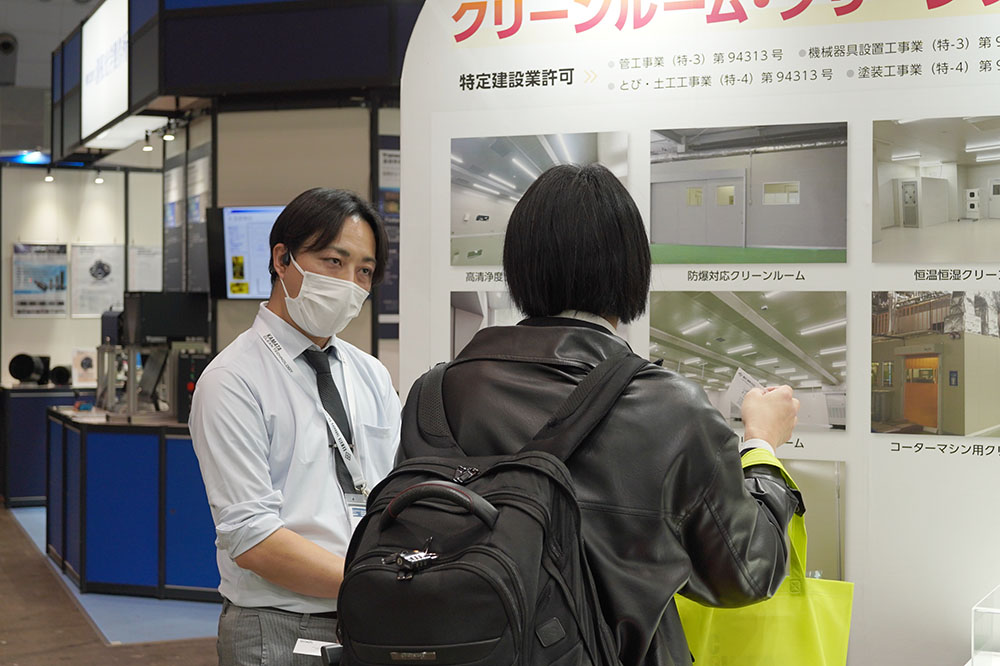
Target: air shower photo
point(936, 191)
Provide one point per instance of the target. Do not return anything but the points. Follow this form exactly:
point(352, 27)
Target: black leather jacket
point(666, 505)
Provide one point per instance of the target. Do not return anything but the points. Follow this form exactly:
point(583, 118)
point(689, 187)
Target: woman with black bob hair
point(666, 504)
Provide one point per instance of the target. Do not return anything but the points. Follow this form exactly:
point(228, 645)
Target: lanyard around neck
point(349, 457)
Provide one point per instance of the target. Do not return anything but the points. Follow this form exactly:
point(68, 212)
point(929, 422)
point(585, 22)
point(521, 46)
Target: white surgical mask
point(325, 305)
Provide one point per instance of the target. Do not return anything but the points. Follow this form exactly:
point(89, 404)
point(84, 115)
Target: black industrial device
point(61, 375)
point(29, 369)
point(189, 369)
point(153, 317)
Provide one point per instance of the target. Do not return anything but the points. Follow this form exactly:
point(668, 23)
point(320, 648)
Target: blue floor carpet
point(129, 619)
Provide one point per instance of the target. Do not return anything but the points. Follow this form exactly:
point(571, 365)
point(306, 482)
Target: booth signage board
point(105, 67)
point(636, 85)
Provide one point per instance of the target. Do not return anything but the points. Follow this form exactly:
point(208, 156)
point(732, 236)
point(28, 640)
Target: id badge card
point(356, 507)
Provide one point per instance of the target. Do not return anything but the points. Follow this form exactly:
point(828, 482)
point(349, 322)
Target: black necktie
point(334, 405)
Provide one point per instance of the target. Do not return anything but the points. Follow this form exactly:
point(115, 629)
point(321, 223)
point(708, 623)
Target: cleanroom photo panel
point(935, 363)
point(472, 311)
point(490, 174)
point(750, 194)
point(936, 195)
point(767, 338)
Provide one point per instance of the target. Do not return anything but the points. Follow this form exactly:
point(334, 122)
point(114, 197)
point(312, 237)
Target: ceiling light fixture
point(766, 361)
point(823, 327)
point(839, 364)
point(737, 350)
point(905, 156)
point(99, 180)
point(798, 378)
point(695, 327)
point(168, 131)
point(146, 147)
point(722, 368)
point(976, 147)
point(48, 176)
point(565, 148)
point(523, 168)
point(457, 160)
point(784, 371)
point(485, 189)
point(694, 360)
point(988, 157)
point(500, 180)
point(832, 350)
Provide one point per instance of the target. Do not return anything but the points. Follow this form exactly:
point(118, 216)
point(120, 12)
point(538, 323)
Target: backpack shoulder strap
point(587, 405)
point(431, 419)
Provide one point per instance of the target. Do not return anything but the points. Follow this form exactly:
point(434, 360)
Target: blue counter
point(22, 439)
point(127, 511)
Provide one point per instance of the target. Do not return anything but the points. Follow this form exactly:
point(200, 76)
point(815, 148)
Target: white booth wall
point(72, 209)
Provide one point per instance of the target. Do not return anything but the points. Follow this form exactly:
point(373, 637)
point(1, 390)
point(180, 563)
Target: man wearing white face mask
point(292, 426)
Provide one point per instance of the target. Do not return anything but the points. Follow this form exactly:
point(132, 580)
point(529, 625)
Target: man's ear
point(281, 258)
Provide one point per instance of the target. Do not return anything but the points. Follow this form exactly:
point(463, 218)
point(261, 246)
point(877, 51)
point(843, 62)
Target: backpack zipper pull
point(465, 474)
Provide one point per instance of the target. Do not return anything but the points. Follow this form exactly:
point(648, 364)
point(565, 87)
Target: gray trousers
point(266, 637)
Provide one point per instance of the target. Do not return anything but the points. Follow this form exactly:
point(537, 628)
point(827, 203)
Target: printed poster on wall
point(820, 183)
point(98, 279)
point(388, 205)
point(145, 268)
point(39, 280)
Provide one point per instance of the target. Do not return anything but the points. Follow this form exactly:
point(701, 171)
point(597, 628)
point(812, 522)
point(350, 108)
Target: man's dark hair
point(314, 219)
point(576, 241)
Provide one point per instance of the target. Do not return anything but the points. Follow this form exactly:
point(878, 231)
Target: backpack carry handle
point(442, 490)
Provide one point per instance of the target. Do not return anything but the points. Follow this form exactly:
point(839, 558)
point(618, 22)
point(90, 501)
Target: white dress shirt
point(263, 448)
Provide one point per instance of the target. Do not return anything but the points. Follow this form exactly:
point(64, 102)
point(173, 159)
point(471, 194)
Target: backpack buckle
point(465, 474)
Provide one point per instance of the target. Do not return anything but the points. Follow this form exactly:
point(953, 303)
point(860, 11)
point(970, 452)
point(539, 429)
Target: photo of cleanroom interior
point(778, 337)
point(754, 194)
point(936, 190)
point(472, 311)
point(935, 362)
point(489, 175)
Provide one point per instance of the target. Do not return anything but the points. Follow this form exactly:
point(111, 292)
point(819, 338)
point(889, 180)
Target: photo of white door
point(994, 210)
point(699, 212)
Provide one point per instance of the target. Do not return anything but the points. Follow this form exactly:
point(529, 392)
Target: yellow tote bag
point(806, 623)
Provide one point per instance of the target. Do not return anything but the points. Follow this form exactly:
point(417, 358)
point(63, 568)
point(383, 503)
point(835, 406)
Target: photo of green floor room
point(935, 362)
point(746, 195)
point(489, 175)
point(778, 337)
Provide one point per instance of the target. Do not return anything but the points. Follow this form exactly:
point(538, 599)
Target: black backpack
point(480, 560)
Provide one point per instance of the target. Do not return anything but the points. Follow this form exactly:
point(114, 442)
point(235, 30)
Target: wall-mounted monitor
point(239, 250)
point(104, 67)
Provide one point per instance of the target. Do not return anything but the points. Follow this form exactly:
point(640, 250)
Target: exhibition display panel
point(804, 169)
